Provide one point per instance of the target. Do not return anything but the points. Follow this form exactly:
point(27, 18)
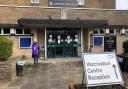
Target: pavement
point(52, 74)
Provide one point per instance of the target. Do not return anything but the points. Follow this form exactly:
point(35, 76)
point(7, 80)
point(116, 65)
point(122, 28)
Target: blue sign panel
point(98, 41)
point(25, 42)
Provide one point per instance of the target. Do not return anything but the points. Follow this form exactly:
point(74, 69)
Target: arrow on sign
point(114, 66)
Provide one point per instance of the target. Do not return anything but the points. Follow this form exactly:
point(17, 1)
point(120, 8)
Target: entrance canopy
point(62, 23)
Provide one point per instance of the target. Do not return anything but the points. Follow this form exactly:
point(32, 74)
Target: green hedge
point(6, 46)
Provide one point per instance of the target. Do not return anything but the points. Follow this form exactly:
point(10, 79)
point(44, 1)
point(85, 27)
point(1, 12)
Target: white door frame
point(82, 41)
point(45, 56)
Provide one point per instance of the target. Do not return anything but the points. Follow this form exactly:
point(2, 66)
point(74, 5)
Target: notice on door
point(101, 69)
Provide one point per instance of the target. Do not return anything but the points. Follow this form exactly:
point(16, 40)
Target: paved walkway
point(50, 75)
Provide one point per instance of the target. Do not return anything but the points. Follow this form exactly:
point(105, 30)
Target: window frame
point(102, 41)
point(4, 33)
point(98, 31)
point(23, 32)
point(126, 31)
point(115, 33)
point(103, 31)
point(25, 37)
point(17, 33)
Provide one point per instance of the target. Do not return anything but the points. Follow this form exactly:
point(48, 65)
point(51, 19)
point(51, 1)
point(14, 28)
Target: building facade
point(63, 28)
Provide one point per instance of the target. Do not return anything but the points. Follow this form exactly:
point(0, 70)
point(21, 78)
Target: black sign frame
point(110, 43)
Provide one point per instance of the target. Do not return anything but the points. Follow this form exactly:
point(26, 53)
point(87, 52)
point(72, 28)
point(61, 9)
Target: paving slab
point(53, 74)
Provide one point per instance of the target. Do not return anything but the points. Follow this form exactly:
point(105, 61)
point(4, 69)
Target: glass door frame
point(80, 38)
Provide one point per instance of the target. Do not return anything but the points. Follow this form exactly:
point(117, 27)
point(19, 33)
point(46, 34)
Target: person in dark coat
point(35, 52)
point(121, 62)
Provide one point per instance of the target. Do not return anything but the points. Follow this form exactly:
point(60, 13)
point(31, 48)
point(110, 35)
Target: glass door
point(63, 42)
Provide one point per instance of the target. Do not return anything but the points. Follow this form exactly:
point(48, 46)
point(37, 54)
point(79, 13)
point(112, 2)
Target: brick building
point(63, 28)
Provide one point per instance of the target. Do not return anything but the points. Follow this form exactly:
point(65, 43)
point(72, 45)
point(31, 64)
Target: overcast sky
point(122, 4)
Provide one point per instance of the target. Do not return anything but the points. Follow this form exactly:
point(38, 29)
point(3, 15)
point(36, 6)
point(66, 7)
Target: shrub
point(6, 46)
point(125, 46)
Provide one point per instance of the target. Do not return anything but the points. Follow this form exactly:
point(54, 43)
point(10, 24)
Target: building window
point(98, 40)
point(19, 31)
point(112, 31)
point(23, 31)
point(34, 1)
point(25, 42)
point(126, 31)
point(117, 31)
point(102, 31)
point(27, 31)
point(6, 31)
point(98, 31)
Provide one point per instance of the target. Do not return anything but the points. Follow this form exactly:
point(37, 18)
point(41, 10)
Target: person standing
point(35, 52)
point(121, 62)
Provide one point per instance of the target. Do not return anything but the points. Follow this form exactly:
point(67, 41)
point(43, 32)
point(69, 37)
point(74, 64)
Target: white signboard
point(80, 2)
point(101, 69)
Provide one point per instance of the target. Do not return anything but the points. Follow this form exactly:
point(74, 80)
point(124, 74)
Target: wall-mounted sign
point(65, 3)
point(109, 43)
point(101, 69)
point(80, 2)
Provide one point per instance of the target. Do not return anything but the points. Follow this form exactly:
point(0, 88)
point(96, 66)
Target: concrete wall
point(18, 52)
point(97, 49)
point(23, 2)
point(86, 39)
point(114, 17)
point(109, 4)
point(106, 4)
point(120, 40)
point(10, 15)
point(40, 37)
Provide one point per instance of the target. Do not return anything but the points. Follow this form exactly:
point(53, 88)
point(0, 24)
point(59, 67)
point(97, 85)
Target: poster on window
point(65, 3)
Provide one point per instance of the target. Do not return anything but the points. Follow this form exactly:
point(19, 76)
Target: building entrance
point(63, 42)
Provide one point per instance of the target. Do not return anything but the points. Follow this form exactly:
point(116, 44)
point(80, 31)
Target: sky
point(122, 4)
